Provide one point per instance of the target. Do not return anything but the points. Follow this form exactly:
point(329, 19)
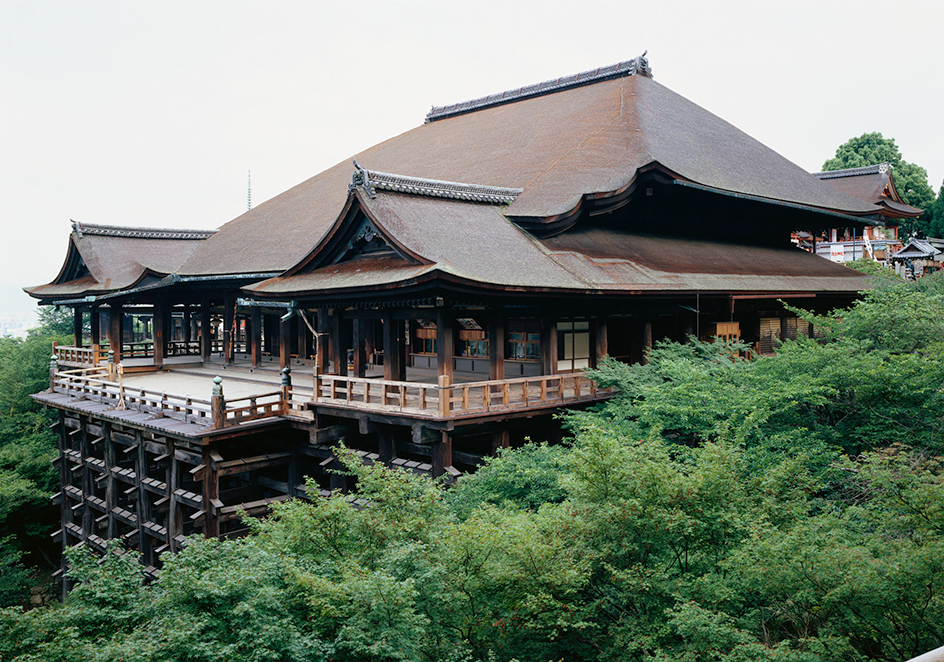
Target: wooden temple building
point(437, 300)
point(875, 185)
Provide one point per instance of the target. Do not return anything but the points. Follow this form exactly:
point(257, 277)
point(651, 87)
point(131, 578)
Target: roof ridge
point(875, 169)
point(638, 65)
point(436, 188)
point(138, 233)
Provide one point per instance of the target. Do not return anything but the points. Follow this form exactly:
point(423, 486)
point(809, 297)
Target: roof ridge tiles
point(637, 65)
point(436, 188)
point(138, 233)
point(854, 172)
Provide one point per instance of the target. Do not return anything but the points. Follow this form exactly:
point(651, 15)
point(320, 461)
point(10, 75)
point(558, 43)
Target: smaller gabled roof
point(875, 184)
point(108, 258)
point(916, 249)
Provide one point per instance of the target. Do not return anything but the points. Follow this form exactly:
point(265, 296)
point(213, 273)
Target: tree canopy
point(788, 507)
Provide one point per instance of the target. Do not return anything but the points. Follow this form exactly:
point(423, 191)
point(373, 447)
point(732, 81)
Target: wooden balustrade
point(93, 384)
point(441, 400)
point(445, 400)
point(78, 356)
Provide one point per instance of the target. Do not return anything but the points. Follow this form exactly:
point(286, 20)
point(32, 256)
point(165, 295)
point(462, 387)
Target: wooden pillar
point(160, 328)
point(285, 343)
point(172, 482)
point(387, 444)
point(211, 494)
point(548, 346)
point(95, 326)
point(77, 326)
point(394, 365)
point(142, 509)
point(186, 327)
point(229, 318)
point(337, 349)
point(360, 347)
point(116, 329)
point(206, 343)
point(111, 488)
point(496, 348)
point(442, 454)
point(302, 336)
point(87, 490)
point(646, 338)
point(370, 329)
point(500, 440)
point(255, 335)
point(599, 339)
point(445, 342)
point(322, 342)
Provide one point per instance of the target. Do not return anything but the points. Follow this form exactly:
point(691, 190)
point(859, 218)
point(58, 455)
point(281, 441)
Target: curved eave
point(780, 203)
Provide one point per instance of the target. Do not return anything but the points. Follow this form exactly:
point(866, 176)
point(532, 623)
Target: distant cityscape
point(16, 325)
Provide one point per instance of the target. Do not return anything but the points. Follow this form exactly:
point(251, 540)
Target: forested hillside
point(783, 508)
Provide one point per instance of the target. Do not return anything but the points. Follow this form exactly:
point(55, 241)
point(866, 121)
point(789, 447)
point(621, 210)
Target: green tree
point(936, 228)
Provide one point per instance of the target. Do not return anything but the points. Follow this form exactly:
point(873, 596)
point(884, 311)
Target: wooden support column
point(211, 494)
point(360, 347)
point(84, 449)
point(142, 509)
point(255, 335)
point(187, 326)
point(172, 482)
point(387, 444)
point(77, 326)
point(65, 512)
point(370, 329)
point(548, 346)
point(116, 329)
point(206, 343)
point(95, 326)
point(229, 340)
point(496, 348)
point(500, 439)
point(160, 332)
point(599, 339)
point(442, 454)
point(337, 350)
point(302, 336)
point(394, 370)
point(445, 342)
point(285, 343)
point(646, 338)
point(111, 488)
point(322, 342)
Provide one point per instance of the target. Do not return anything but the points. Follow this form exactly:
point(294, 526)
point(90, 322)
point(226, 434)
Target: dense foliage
point(785, 508)
point(911, 180)
point(27, 479)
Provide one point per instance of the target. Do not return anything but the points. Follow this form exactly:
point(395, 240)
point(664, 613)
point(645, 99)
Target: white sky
point(151, 113)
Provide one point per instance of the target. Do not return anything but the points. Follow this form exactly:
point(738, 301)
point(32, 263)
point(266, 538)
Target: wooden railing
point(77, 356)
point(445, 400)
point(442, 400)
point(96, 385)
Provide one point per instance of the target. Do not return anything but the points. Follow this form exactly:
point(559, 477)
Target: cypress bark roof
point(875, 184)
point(108, 258)
point(558, 148)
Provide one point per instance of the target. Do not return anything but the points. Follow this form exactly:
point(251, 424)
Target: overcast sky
point(151, 113)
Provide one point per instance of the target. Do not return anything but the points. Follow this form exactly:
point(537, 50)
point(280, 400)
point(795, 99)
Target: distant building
point(875, 185)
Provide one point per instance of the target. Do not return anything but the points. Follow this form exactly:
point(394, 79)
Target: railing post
point(53, 369)
point(217, 405)
point(316, 376)
point(95, 356)
point(286, 389)
point(111, 365)
point(444, 395)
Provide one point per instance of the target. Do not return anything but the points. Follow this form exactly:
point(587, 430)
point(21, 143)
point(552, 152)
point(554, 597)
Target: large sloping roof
point(105, 258)
point(557, 147)
point(875, 184)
